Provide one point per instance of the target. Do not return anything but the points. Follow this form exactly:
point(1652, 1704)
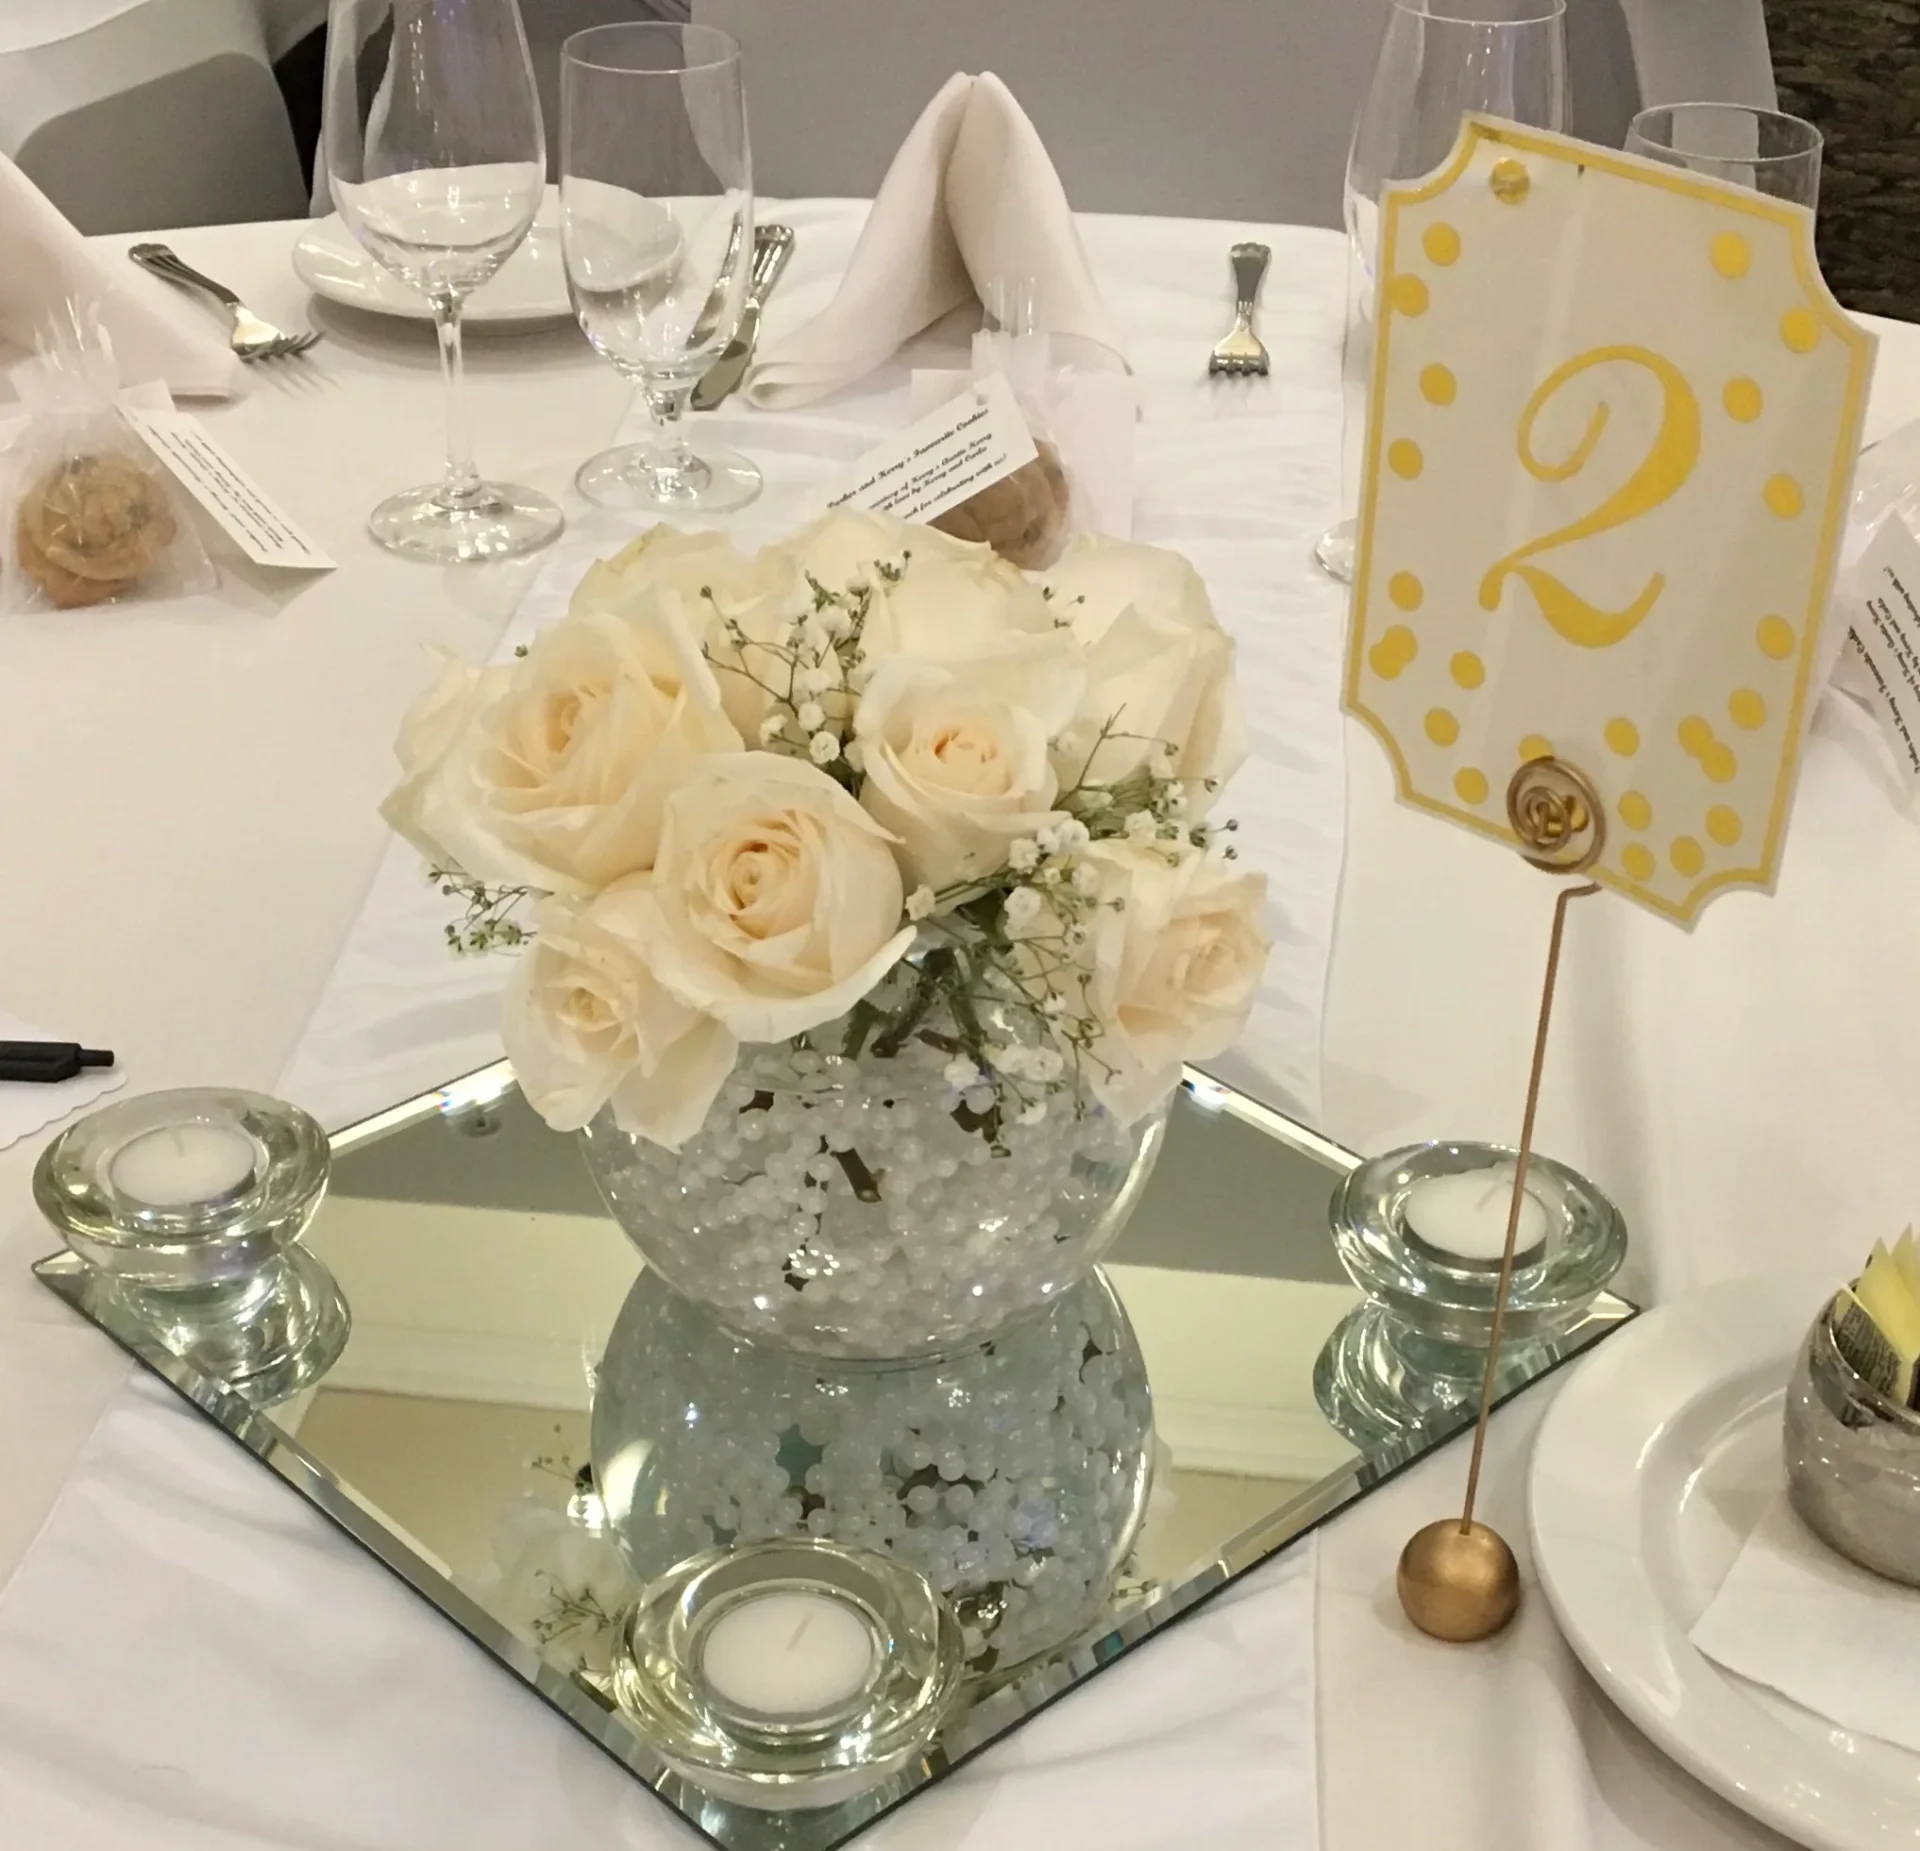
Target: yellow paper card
point(1611, 439)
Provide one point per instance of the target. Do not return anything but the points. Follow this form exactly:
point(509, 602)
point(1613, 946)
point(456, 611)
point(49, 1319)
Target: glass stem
point(674, 473)
point(462, 485)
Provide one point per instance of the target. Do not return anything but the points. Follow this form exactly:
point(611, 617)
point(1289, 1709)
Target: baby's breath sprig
point(812, 657)
point(488, 923)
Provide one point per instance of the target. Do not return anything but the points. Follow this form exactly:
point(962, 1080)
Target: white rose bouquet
point(870, 788)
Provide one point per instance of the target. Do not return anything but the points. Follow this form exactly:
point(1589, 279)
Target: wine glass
point(656, 227)
point(436, 159)
point(1492, 57)
point(1761, 149)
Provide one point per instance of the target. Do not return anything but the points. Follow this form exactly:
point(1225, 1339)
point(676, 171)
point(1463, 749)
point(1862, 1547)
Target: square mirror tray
point(530, 1428)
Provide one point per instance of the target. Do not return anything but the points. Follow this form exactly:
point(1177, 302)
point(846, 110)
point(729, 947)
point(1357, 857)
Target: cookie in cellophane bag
point(1028, 516)
point(92, 516)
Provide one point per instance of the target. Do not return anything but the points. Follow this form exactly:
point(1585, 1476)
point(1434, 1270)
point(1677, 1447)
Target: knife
point(772, 246)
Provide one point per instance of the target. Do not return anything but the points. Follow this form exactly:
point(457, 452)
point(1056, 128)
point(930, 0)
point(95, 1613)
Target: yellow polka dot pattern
point(1533, 746)
point(1742, 400)
point(1723, 825)
point(1783, 497)
point(1442, 728)
point(1441, 244)
point(1775, 637)
point(1469, 785)
point(1622, 736)
point(1404, 458)
point(1687, 855)
point(1746, 709)
point(1635, 811)
point(1438, 385)
point(1637, 859)
point(1730, 255)
point(1467, 669)
point(1393, 652)
point(1407, 295)
point(1406, 591)
point(1800, 329)
point(1698, 741)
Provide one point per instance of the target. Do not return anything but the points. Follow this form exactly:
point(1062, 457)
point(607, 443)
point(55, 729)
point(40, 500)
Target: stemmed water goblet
point(436, 159)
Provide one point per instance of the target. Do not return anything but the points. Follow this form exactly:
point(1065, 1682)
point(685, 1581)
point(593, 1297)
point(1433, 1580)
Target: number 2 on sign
point(1667, 464)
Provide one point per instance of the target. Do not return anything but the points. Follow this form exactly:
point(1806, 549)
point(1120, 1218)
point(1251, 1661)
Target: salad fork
point(252, 338)
point(1241, 351)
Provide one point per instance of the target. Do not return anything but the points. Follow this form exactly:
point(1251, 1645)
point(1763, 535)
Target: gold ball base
point(1456, 1583)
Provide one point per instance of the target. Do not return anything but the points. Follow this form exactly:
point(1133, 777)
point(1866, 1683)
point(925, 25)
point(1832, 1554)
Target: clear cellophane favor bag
point(1026, 517)
point(91, 515)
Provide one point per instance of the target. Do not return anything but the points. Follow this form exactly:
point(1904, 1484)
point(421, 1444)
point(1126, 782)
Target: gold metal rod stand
point(1457, 1578)
point(1503, 1290)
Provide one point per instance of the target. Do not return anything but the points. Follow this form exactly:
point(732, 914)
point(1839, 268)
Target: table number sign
point(1610, 449)
point(1612, 430)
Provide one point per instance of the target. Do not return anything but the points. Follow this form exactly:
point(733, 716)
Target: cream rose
point(956, 754)
point(1159, 666)
point(739, 608)
point(1173, 968)
point(776, 901)
point(847, 547)
point(588, 1024)
point(552, 773)
point(954, 599)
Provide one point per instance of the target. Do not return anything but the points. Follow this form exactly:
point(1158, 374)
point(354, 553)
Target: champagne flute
point(436, 159)
point(656, 227)
point(1491, 57)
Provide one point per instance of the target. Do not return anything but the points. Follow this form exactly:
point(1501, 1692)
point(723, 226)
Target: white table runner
point(193, 1659)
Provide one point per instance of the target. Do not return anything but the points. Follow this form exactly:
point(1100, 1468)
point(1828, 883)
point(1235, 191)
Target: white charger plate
point(530, 286)
point(1651, 1469)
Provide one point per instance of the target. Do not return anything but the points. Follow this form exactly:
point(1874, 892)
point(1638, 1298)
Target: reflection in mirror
point(532, 1428)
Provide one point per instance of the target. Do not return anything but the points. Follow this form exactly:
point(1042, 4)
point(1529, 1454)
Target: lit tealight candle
point(789, 1657)
point(1464, 1216)
point(178, 1165)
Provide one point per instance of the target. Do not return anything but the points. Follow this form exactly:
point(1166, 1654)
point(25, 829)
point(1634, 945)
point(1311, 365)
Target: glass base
point(705, 482)
point(495, 520)
point(1334, 552)
point(266, 1337)
point(1379, 1380)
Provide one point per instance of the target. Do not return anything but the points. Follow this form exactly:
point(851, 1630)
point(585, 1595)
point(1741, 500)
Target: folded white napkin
point(1798, 1618)
point(156, 334)
point(971, 199)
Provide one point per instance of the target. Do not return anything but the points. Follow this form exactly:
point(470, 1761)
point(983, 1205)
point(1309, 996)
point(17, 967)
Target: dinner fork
point(252, 338)
point(1241, 352)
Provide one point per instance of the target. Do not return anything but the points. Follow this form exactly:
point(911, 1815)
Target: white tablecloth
point(187, 831)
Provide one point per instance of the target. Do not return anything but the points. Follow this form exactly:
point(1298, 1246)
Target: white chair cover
point(138, 114)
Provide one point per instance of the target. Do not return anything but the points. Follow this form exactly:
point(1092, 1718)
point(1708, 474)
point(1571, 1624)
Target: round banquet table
point(188, 827)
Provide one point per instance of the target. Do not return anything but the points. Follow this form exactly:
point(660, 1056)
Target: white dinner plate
point(530, 286)
point(1652, 1467)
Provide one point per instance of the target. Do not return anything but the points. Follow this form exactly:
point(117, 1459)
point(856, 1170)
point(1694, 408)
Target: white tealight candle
point(788, 1656)
point(177, 1165)
point(1465, 1215)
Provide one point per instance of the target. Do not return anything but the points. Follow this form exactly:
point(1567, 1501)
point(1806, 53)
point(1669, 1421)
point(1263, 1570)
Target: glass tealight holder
point(189, 1205)
point(788, 1674)
point(1420, 1232)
